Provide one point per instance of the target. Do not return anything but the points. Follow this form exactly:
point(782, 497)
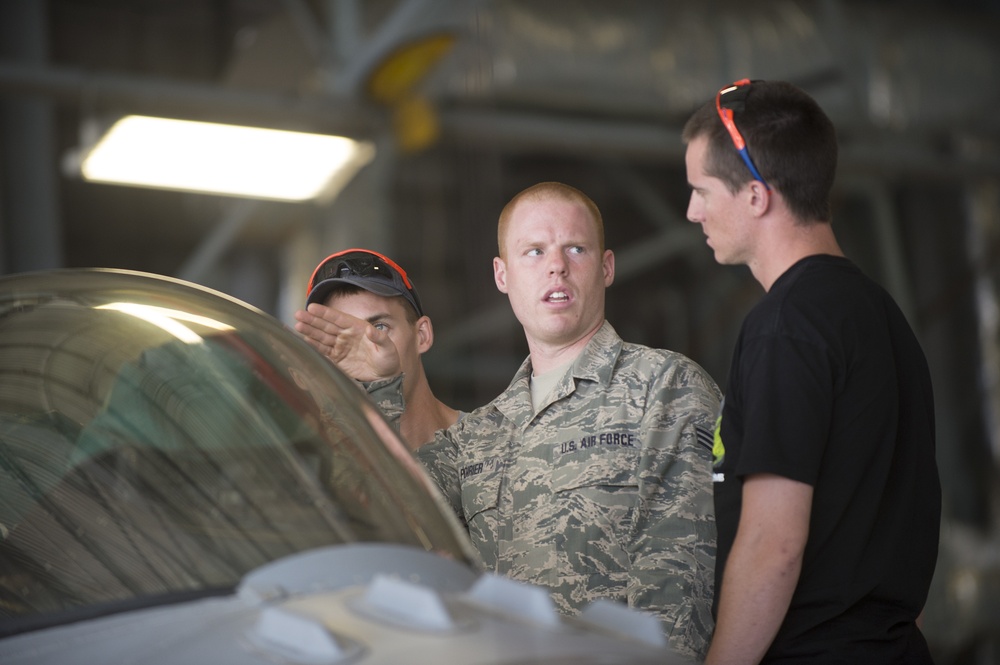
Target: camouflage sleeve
point(437, 456)
point(672, 548)
point(439, 459)
point(388, 397)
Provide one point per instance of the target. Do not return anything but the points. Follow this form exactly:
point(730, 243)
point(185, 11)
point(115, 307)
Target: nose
point(557, 263)
point(695, 213)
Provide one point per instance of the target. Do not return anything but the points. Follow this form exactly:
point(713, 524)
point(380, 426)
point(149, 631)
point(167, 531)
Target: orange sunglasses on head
point(727, 100)
point(368, 265)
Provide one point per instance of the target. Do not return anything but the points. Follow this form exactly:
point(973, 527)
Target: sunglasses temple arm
point(753, 169)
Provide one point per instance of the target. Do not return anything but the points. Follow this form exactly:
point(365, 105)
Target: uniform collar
point(595, 363)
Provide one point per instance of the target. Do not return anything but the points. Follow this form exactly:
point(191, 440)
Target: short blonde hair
point(545, 191)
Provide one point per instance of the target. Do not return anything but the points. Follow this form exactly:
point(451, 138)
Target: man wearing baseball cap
point(363, 313)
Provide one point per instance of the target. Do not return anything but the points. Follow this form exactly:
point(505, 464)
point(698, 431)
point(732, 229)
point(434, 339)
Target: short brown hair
point(790, 139)
point(549, 190)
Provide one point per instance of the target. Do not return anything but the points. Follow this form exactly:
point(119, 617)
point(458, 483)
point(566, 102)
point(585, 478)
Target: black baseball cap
point(369, 270)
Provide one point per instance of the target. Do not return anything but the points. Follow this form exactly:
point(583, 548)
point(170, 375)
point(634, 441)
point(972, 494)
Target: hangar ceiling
point(591, 80)
point(469, 101)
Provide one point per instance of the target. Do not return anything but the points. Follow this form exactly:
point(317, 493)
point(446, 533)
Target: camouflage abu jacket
point(606, 492)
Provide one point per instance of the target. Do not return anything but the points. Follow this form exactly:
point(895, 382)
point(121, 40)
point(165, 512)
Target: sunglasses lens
point(734, 98)
point(367, 265)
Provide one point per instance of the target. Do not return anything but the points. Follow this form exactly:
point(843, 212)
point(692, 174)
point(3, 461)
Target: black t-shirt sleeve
point(787, 383)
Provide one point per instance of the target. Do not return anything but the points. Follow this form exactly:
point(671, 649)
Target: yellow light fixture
point(395, 81)
point(402, 70)
point(207, 157)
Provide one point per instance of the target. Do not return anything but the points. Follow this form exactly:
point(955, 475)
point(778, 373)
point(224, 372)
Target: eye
point(534, 252)
point(576, 249)
point(381, 326)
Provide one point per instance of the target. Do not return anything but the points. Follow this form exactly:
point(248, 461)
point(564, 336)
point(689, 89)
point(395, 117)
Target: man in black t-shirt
point(827, 495)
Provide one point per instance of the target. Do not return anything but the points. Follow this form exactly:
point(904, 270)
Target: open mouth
point(557, 297)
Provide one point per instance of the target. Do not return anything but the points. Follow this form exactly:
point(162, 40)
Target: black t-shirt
point(829, 386)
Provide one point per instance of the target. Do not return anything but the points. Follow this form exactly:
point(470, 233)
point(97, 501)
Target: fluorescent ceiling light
point(224, 159)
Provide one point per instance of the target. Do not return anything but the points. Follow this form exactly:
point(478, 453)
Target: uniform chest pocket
point(480, 488)
point(609, 467)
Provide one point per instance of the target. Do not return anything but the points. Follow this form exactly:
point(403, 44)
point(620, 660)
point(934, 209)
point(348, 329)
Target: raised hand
point(360, 349)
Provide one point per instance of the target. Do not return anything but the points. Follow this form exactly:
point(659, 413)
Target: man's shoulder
point(471, 423)
point(640, 358)
point(635, 352)
point(647, 370)
point(820, 277)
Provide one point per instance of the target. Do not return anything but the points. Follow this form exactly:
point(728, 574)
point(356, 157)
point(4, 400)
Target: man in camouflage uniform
point(591, 473)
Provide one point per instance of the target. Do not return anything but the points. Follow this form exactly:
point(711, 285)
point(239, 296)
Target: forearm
point(674, 580)
point(673, 563)
point(762, 569)
point(388, 397)
point(756, 593)
point(438, 458)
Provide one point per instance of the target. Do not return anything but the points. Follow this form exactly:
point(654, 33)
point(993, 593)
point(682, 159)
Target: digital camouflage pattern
point(605, 493)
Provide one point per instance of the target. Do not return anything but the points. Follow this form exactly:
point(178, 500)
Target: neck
point(424, 415)
point(546, 357)
point(790, 244)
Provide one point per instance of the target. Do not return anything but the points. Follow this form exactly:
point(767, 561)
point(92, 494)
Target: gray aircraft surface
point(184, 480)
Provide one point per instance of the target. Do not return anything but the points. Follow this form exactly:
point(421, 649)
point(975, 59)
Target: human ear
point(425, 334)
point(759, 198)
point(500, 274)
point(608, 263)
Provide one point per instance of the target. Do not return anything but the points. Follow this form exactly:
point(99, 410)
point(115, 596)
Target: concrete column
point(30, 225)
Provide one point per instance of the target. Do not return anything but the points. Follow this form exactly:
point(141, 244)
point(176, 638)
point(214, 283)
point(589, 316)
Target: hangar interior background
point(469, 101)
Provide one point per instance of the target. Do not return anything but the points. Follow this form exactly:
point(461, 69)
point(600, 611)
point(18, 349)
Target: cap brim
point(322, 291)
